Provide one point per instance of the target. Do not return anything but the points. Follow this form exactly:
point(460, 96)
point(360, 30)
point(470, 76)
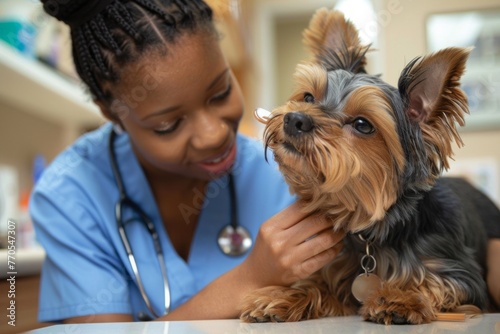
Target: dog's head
point(349, 144)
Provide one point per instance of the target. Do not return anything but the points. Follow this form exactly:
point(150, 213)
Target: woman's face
point(181, 109)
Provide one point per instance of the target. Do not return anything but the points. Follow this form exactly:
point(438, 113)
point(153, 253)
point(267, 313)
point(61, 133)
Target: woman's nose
point(210, 131)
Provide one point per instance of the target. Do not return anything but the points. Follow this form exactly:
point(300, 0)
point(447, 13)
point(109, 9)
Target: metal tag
point(364, 285)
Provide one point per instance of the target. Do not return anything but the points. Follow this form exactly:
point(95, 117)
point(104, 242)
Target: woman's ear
point(113, 112)
point(105, 110)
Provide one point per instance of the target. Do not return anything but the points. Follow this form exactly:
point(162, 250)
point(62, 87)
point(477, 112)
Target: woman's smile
point(220, 163)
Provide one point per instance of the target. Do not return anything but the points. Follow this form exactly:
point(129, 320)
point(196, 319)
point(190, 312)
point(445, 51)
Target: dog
point(370, 157)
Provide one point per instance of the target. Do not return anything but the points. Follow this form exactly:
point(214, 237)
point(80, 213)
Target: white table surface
point(487, 323)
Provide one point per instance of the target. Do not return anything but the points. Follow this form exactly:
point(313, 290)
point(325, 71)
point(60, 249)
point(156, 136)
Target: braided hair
point(107, 34)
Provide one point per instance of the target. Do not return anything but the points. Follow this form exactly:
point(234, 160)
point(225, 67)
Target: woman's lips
point(221, 163)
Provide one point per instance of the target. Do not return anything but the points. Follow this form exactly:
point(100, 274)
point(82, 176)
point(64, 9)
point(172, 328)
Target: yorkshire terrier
point(369, 157)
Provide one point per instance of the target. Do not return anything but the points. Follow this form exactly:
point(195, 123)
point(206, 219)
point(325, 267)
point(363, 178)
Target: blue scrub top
point(86, 270)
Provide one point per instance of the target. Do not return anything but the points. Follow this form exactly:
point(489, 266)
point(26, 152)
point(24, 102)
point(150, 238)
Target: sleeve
point(82, 274)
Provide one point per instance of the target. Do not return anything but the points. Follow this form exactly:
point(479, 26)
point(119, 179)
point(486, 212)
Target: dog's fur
point(369, 157)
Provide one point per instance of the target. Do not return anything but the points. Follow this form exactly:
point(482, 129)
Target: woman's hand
point(291, 246)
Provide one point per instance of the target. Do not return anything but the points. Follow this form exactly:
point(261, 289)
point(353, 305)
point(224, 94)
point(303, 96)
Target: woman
point(174, 157)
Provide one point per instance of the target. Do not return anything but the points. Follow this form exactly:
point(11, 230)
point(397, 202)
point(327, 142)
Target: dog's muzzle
point(296, 123)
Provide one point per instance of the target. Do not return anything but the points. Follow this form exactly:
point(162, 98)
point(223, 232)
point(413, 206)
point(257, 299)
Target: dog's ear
point(334, 42)
point(430, 85)
point(430, 89)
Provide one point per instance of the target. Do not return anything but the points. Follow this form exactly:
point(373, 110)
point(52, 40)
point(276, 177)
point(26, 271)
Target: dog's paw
point(394, 306)
point(276, 304)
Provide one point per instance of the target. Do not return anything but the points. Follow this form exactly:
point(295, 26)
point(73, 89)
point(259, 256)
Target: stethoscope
point(233, 239)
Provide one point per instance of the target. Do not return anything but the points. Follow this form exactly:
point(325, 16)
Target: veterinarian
point(165, 212)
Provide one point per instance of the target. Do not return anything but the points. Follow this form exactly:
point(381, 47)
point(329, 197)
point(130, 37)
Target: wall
point(404, 34)
point(289, 53)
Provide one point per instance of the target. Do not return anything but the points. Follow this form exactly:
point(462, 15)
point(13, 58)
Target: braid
point(127, 26)
point(103, 36)
point(103, 32)
point(156, 10)
point(95, 51)
point(108, 34)
point(83, 64)
point(183, 6)
point(127, 17)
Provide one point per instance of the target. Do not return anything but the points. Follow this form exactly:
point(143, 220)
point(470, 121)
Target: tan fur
point(335, 161)
point(311, 78)
point(328, 32)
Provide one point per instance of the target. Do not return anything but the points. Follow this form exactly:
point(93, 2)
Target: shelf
point(37, 89)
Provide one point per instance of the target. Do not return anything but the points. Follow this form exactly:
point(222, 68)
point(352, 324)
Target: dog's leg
point(280, 304)
point(392, 305)
point(325, 293)
point(420, 302)
point(306, 299)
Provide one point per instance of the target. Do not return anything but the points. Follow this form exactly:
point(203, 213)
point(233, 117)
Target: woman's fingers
point(315, 253)
point(320, 260)
point(295, 225)
point(287, 217)
point(323, 241)
point(310, 265)
point(307, 228)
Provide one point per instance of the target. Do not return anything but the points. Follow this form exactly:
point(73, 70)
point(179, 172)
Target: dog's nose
point(296, 123)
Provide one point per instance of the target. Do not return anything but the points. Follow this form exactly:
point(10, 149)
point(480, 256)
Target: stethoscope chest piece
point(234, 241)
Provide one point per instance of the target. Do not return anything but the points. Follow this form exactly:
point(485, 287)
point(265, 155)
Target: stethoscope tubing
point(124, 199)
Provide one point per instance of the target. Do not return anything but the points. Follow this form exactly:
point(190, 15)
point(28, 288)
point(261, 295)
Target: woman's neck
point(179, 201)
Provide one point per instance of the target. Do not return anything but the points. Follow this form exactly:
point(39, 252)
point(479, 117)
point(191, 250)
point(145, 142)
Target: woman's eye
point(167, 128)
point(308, 98)
point(222, 96)
point(363, 126)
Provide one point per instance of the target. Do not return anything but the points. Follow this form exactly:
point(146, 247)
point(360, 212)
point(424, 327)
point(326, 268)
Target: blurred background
point(43, 107)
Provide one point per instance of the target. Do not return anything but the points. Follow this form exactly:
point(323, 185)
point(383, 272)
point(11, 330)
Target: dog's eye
point(308, 98)
point(363, 126)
